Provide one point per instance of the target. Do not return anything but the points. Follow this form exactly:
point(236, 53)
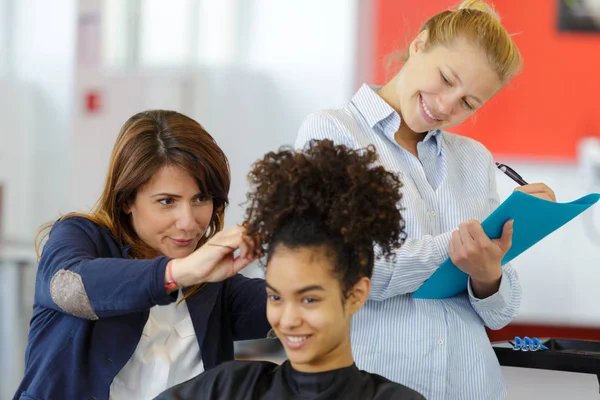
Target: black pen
point(511, 173)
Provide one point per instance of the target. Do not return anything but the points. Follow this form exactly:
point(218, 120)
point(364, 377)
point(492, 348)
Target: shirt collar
point(377, 112)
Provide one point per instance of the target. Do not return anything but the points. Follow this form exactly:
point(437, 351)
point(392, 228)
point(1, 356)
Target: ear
point(127, 209)
point(418, 44)
point(359, 295)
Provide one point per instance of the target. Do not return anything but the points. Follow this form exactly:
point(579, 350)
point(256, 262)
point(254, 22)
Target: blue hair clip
point(537, 345)
point(518, 343)
point(527, 344)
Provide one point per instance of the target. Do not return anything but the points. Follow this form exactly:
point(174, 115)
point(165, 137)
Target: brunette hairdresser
point(142, 293)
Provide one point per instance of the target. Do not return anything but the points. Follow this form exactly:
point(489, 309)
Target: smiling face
point(307, 309)
point(441, 86)
point(170, 214)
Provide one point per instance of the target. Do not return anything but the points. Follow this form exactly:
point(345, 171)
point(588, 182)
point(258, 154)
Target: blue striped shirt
point(437, 347)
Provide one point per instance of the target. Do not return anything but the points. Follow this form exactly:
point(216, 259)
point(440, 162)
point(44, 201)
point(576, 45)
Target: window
point(169, 33)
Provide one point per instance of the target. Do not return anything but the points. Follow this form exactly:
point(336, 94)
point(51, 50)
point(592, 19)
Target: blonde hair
point(478, 23)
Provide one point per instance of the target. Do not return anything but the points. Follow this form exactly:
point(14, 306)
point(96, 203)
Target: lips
point(296, 342)
point(182, 242)
point(427, 113)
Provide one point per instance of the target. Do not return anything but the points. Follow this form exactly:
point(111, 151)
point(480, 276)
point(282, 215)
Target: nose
point(445, 104)
point(290, 317)
point(185, 218)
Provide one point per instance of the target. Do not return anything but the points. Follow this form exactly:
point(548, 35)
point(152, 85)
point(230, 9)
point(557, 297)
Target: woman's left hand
point(540, 190)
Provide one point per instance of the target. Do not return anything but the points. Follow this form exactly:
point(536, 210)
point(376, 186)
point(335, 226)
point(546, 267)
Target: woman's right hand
point(214, 261)
point(540, 190)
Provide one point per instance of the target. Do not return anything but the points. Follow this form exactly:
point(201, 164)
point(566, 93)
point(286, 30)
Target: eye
point(444, 79)
point(167, 201)
point(467, 105)
point(309, 300)
point(273, 298)
point(201, 199)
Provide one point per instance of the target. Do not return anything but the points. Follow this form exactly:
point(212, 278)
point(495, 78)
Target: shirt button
point(440, 342)
point(432, 213)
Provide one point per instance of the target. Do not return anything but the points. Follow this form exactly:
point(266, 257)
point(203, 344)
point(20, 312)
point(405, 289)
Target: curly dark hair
point(326, 195)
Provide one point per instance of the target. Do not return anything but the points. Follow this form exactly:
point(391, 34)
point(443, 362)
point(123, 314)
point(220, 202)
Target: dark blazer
point(92, 302)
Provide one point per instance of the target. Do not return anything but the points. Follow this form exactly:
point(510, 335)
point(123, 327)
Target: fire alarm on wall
point(93, 101)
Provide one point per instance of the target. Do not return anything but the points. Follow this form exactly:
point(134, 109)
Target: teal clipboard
point(534, 219)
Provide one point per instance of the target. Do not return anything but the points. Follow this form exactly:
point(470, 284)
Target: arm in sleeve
point(499, 309)
point(229, 380)
point(72, 277)
point(412, 265)
point(248, 301)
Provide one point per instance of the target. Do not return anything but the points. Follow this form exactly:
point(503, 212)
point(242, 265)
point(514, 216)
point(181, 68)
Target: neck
point(405, 136)
point(336, 358)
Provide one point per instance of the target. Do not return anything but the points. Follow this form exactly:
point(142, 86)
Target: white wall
point(16, 159)
point(42, 57)
point(560, 274)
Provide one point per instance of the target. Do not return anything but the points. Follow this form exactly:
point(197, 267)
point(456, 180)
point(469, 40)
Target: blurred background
point(72, 72)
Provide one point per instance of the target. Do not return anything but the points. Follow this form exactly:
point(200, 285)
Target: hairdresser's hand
point(538, 190)
point(477, 255)
point(214, 261)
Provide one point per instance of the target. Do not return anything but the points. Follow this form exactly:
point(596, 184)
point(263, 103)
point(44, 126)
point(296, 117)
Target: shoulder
point(74, 231)
point(334, 124)
point(76, 228)
point(386, 389)
point(331, 117)
point(235, 372)
point(227, 377)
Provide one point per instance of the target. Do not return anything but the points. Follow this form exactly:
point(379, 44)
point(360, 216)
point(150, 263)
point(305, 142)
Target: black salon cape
point(246, 380)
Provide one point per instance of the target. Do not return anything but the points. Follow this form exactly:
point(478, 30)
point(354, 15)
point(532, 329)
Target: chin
point(418, 127)
point(301, 359)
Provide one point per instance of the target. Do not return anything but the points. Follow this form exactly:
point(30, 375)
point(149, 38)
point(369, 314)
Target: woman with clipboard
point(459, 60)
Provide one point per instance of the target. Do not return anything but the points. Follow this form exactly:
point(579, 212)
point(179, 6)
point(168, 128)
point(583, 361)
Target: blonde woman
point(458, 61)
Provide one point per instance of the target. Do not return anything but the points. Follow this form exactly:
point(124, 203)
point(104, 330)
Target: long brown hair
point(148, 141)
